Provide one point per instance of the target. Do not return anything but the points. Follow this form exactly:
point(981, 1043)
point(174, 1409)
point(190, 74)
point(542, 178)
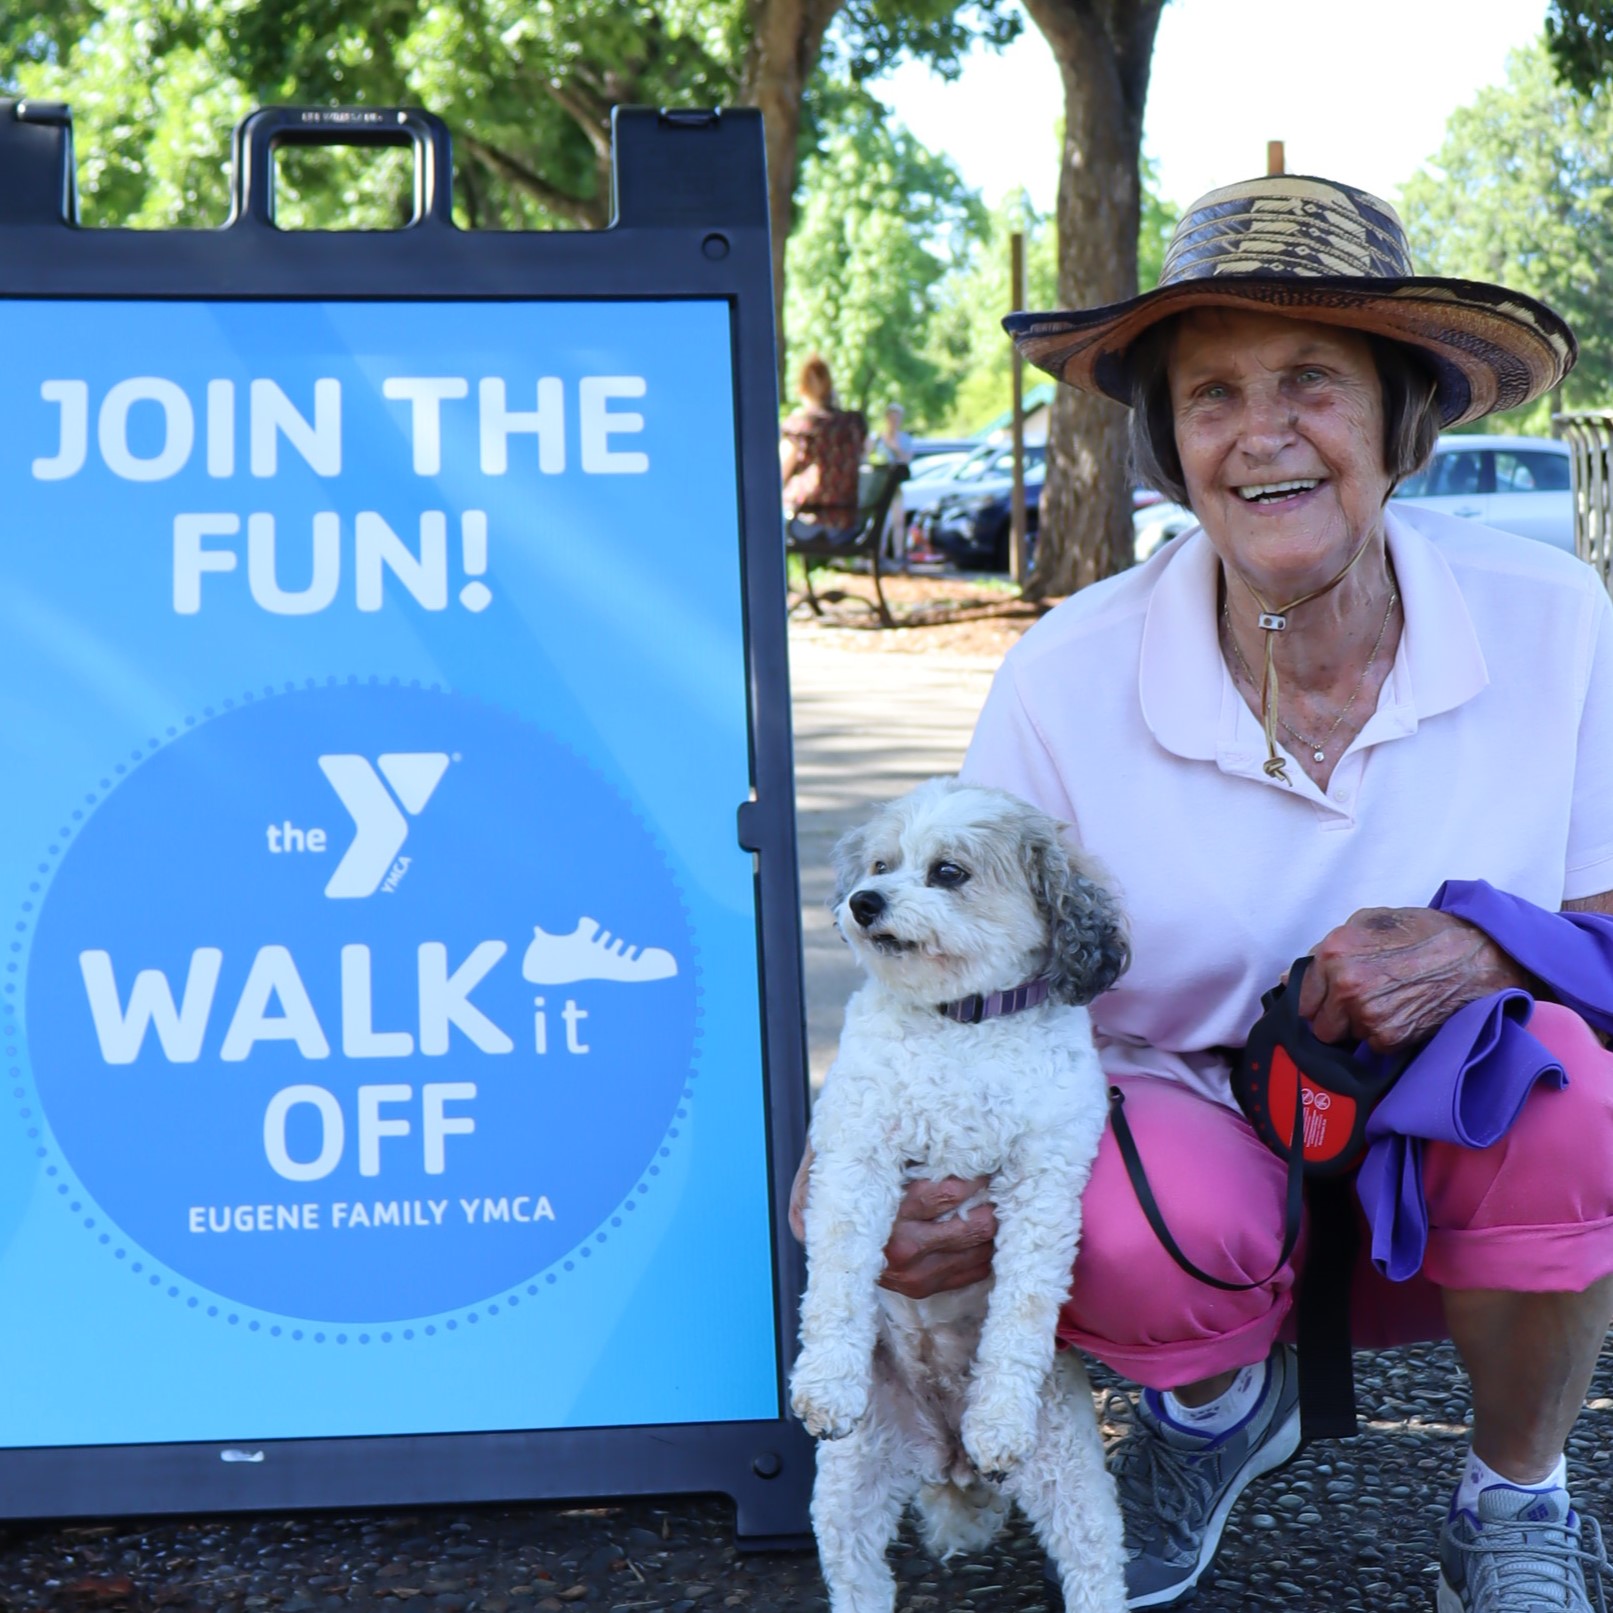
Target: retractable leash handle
point(1283, 1065)
point(258, 136)
point(1286, 1067)
point(1267, 1077)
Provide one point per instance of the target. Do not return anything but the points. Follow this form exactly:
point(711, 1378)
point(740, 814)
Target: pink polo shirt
point(1490, 756)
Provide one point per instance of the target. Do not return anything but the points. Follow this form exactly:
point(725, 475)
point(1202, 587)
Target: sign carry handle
point(257, 136)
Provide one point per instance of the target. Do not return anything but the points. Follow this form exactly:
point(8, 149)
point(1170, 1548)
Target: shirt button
point(1343, 792)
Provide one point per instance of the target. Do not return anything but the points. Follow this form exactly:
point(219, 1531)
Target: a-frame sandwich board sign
point(402, 1013)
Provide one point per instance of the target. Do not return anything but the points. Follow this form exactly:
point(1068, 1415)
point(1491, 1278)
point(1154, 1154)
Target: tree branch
point(591, 116)
point(587, 212)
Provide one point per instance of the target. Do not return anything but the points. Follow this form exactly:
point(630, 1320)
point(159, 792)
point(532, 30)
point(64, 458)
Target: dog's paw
point(830, 1415)
point(998, 1434)
point(829, 1402)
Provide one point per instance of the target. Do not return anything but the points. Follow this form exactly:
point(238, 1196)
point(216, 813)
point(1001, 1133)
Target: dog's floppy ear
point(1089, 950)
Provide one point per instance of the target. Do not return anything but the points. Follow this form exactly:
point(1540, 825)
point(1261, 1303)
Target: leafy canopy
point(1521, 192)
point(967, 338)
point(527, 87)
point(881, 219)
point(1579, 36)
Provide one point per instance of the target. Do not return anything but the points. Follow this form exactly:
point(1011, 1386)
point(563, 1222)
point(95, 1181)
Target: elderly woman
point(1281, 735)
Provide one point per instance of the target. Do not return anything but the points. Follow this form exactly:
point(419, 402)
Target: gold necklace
point(1317, 747)
point(1275, 620)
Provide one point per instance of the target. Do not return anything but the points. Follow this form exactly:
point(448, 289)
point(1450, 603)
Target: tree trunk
point(785, 39)
point(1104, 49)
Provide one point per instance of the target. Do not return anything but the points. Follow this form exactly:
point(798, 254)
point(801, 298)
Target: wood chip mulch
point(945, 615)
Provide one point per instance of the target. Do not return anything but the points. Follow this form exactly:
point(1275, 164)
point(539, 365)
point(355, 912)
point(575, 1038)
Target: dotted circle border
point(203, 1301)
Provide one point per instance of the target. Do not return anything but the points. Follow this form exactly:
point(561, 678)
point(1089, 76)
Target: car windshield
point(933, 466)
point(996, 461)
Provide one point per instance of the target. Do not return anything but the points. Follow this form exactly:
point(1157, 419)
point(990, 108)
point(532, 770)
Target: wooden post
point(1016, 508)
point(1274, 157)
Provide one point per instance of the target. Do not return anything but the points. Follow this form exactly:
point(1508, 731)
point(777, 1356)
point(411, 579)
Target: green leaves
point(527, 88)
point(898, 274)
point(880, 221)
point(1521, 192)
point(871, 36)
point(967, 337)
point(1579, 37)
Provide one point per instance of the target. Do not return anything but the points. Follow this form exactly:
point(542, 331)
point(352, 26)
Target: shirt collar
point(1183, 682)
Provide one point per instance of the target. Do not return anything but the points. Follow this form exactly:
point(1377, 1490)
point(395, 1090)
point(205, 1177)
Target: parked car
point(1155, 523)
point(926, 448)
point(1515, 484)
point(1518, 484)
point(930, 455)
point(989, 469)
point(928, 467)
point(971, 528)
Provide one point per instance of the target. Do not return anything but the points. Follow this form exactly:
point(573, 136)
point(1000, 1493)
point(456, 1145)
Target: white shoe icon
point(589, 953)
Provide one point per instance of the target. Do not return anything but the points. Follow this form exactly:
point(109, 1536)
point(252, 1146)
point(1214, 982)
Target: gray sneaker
point(1176, 1488)
point(1520, 1552)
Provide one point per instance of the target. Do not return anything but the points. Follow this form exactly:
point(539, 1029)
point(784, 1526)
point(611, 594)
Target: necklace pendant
point(1317, 756)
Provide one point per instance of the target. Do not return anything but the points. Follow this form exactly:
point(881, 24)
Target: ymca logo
point(379, 828)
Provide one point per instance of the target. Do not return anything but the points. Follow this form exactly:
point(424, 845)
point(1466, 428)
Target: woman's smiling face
point(1279, 426)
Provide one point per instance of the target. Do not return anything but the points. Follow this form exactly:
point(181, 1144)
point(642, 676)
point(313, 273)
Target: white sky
point(1357, 92)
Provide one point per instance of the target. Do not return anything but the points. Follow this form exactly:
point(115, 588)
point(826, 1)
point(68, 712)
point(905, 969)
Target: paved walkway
point(868, 727)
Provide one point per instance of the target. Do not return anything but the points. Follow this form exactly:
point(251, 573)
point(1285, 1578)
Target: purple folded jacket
point(1470, 1081)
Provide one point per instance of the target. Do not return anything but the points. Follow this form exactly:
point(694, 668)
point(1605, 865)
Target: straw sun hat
point(1318, 250)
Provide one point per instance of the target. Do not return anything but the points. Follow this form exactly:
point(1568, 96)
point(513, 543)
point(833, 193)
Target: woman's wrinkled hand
point(926, 1254)
point(1391, 976)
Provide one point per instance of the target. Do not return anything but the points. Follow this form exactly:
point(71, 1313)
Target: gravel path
point(1346, 1528)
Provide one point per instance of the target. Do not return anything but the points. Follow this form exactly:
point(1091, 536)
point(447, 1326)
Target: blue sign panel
point(380, 1006)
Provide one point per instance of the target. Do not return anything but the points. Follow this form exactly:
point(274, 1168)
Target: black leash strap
point(1326, 1366)
point(1293, 1208)
point(1327, 1370)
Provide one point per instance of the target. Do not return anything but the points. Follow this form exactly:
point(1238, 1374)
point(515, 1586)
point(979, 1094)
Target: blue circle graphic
point(362, 1003)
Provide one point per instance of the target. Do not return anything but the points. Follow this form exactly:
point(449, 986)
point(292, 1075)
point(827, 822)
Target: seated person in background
point(820, 448)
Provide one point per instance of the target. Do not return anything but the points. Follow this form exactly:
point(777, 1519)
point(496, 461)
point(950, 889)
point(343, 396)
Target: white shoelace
point(1533, 1565)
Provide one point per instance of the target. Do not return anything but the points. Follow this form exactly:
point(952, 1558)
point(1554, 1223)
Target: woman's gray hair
point(1410, 415)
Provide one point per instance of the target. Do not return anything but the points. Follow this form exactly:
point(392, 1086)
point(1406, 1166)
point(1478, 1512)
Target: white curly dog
point(951, 898)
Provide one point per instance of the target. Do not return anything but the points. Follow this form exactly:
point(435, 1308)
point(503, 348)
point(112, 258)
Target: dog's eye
point(878, 868)
point(947, 875)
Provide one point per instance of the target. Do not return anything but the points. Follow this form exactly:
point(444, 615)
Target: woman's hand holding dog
point(926, 1255)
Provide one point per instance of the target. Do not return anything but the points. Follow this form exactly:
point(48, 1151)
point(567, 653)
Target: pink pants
point(1533, 1213)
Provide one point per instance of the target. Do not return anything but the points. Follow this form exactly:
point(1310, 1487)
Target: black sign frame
point(691, 220)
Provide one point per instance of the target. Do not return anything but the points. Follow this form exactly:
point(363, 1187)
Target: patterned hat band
point(1301, 248)
point(1305, 234)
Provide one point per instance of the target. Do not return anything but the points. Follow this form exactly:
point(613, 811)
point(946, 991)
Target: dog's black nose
point(866, 906)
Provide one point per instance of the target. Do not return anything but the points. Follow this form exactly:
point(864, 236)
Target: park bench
point(876, 491)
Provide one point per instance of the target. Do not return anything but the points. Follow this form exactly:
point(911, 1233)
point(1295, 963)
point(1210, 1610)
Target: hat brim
point(1491, 348)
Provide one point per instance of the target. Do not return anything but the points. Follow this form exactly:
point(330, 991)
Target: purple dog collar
point(993, 1005)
